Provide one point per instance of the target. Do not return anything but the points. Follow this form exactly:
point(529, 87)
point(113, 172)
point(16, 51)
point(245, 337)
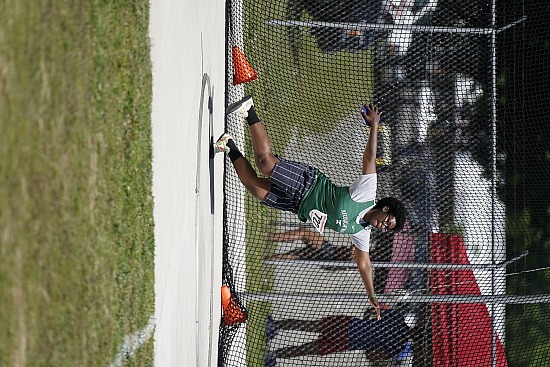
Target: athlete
point(306, 191)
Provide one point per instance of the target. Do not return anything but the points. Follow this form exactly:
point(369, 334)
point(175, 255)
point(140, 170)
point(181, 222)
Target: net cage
point(463, 141)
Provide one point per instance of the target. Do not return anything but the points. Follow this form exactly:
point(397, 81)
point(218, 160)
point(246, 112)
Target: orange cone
point(226, 296)
point(232, 313)
point(243, 72)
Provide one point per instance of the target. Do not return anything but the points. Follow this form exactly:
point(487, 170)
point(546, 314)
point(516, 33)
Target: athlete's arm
point(364, 265)
point(369, 155)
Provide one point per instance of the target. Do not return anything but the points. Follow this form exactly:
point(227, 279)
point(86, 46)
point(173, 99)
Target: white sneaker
point(220, 146)
point(240, 107)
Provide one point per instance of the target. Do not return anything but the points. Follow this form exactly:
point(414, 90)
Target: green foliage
point(451, 228)
point(527, 331)
point(527, 326)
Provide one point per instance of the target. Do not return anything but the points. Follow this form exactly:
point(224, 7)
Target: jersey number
point(318, 219)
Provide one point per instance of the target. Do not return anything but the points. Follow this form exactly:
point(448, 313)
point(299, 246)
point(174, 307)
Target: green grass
point(76, 227)
point(310, 96)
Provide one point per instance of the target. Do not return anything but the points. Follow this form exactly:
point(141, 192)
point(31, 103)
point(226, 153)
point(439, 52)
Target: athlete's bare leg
point(258, 186)
point(261, 145)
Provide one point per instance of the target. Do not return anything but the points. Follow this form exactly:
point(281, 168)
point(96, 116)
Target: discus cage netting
point(462, 141)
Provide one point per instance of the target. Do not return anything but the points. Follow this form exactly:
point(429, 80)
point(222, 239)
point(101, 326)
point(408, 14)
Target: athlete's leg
point(261, 145)
point(284, 188)
point(259, 187)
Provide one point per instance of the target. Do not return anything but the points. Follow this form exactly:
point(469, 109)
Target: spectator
point(316, 246)
point(380, 339)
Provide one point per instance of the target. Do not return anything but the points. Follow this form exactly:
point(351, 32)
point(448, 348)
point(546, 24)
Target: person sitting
point(316, 246)
point(381, 339)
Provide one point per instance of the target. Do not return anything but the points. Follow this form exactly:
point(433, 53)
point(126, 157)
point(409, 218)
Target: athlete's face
point(383, 219)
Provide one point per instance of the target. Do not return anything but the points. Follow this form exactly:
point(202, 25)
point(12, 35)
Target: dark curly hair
point(397, 209)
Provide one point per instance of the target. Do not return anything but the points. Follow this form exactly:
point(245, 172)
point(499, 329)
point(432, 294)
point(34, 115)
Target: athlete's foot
point(240, 107)
point(221, 144)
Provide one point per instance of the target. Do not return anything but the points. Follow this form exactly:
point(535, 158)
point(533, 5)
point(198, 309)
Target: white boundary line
point(133, 342)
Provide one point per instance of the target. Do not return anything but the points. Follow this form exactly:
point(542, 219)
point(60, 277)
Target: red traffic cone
point(243, 72)
point(232, 313)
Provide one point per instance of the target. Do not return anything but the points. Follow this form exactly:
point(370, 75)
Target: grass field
point(76, 226)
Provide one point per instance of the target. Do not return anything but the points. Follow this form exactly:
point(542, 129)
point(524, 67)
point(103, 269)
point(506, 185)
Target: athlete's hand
point(374, 302)
point(371, 114)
